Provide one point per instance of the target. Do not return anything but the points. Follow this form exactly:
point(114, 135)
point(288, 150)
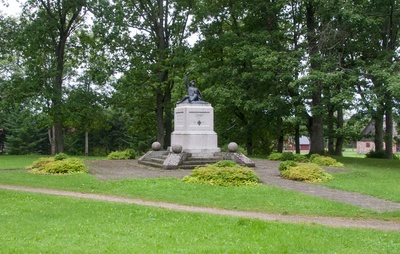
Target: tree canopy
point(113, 70)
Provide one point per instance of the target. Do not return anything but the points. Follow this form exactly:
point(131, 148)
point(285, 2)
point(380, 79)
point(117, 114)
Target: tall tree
point(49, 25)
point(146, 38)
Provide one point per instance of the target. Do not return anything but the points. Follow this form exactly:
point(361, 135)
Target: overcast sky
point(12, 9)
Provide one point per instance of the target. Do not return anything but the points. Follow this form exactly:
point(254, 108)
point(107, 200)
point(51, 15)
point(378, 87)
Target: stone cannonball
point(233, 147)
point(156, 146)
point(177, 148)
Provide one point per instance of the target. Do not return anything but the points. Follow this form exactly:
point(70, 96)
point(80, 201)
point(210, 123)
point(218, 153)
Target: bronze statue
point(194, 94)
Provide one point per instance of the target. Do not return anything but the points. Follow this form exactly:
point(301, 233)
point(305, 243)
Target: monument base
point(194, 130)
point(197, 143)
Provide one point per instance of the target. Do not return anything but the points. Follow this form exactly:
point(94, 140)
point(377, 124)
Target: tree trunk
point(160, 117)
point(297, 138)
point(331, 131)
point(280, 135)
point(316, 125)
point(52, 141)
point(339, 135)
point(86, 143)
point(378, 119)
point(389, 128)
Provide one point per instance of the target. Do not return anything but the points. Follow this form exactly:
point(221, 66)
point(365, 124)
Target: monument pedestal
point(194, 129)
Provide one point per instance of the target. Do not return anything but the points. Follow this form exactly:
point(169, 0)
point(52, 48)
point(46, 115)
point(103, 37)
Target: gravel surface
point(269, 174)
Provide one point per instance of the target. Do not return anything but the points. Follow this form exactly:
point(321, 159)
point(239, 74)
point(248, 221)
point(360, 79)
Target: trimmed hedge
point(305, 172)
point(325, 161)
point(287, 156)
point(60, 166)
point(223, 173)
point(122, 155)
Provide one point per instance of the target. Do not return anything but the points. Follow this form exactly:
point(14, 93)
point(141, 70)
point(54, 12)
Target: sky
point(12, 9)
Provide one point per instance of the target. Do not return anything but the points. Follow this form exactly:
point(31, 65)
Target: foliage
point(24, 132)
point(325, 161)
point(122, 155)
point(306, 172)
point(286, 165)
point(380, 154)
point(275, 157)
point(287, 156)
point(60, 156)
point(224, 173)
point(60, 165)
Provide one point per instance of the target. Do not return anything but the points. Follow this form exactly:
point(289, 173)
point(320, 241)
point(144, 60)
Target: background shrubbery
point(325, 161)
point(59, 164)
point(306, 172)
point(223, 173)
point(122, 155)
point(287, 156)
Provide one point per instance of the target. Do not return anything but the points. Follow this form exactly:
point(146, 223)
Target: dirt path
point(269, 174)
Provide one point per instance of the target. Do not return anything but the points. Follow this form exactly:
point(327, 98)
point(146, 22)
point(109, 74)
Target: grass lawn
point(35, 223)
point(23, 161)
point(375, 177)
point(259, 198)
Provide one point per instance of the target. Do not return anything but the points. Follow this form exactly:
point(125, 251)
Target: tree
point(147, 39)
point(45, 43)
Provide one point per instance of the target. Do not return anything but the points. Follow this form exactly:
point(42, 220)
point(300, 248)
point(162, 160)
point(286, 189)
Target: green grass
point(261, 198)
point(23, 161)
point(35, 223)
point(375, 177)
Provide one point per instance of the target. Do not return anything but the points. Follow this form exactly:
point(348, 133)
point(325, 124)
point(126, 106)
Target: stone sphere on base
point(176, 148)
point(233, 147)
point(156, 146)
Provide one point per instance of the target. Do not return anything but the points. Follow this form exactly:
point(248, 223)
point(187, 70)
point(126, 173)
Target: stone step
point(151, 164)
point(158, 160)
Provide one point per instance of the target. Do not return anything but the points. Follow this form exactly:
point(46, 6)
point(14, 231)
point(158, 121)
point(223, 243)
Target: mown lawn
point(35, 223)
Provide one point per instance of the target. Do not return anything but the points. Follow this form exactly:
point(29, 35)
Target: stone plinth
point(194, 129)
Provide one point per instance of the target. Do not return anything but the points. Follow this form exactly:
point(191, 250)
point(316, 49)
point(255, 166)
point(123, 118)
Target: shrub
point(287, 165)
point(380, 154)
point(300, 158)
point(223, 175)
point(122, 155)
point(225, 163)
point(60, 156)
point(313, 156)
point(326, 161)
point(307, 172)
point(287, 156)
point(275, 157)
point(52, 166)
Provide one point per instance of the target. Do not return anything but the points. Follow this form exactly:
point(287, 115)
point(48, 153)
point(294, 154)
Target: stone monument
point(193, 136)
point(194, 124)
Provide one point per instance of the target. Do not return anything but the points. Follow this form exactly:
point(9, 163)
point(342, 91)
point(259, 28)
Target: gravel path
point(269, 174)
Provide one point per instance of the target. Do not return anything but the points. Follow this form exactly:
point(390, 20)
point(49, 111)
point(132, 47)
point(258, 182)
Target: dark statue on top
point(193, 95)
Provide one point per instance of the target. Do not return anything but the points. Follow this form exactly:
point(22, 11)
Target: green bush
point(326, 161)
point(225, 163)
point(122, 155)
point(60, 156)
point(380, 154)
point(286, 165)
point(223, 176)
point(313, 156)
point(52, 166)
point(307, 172)
point(287, 156)
point(275, 157)
point(300, 158)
